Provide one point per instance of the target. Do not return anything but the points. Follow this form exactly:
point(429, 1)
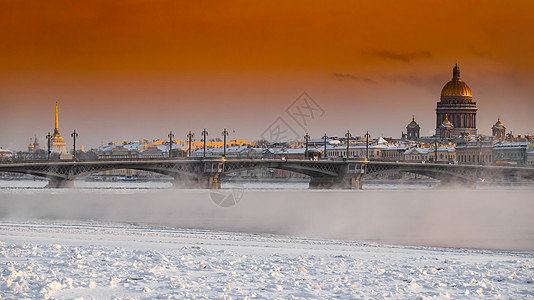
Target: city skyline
point(130, 71)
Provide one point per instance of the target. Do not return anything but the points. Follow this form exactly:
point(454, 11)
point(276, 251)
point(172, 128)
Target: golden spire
point(56, 128)
point(456, 72)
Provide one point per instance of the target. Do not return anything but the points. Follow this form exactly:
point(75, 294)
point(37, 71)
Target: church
point(456, 113)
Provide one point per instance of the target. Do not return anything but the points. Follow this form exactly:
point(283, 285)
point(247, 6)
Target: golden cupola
point(499, 123)
point(446, 122)
point(456, 87)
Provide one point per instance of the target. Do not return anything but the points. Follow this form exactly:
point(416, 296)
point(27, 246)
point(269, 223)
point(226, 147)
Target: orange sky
point(137, 69)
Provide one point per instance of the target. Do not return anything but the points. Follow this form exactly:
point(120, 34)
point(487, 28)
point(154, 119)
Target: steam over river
point(483, 218)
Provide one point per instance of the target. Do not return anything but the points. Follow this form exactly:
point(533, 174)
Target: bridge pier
point(345, 182)
point(212, 181)
point(202, 182)
point(451, 183)
point(60, 183)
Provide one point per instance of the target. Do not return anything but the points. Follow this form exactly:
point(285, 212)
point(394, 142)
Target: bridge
point(207, 172)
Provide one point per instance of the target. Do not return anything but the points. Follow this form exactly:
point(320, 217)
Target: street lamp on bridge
point(225, 134)
point(479, 138)
point(204, 134)
point(367, 136)
point(171, 136)
point(74, 135)
point(48, 137)
point(306, 139)
point(190, 136)
point(324, 152)
point(348, 136)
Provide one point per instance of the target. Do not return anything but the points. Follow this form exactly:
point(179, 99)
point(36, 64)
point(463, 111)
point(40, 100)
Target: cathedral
point(456, 112)
point(57, 144)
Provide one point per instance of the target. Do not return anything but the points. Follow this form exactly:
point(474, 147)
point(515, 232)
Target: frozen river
point(498, 219)
point(139, 241)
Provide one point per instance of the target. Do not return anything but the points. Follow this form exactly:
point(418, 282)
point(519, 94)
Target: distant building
point(417, 154)
point(57, 144)
point(157, 151)
point(33, 146)
point(498, 130)
point(358, 151)
point(475, 152)
point(5, 154)
point(118, 151)
point(394, 153)
point(456, 104)
point(444, 154)
point(511, 152)
point(412, 130)
point(530, 154)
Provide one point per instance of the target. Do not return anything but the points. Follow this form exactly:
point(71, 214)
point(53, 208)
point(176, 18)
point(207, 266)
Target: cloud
point(342, 76)
point(432, 83)
point(402, 57)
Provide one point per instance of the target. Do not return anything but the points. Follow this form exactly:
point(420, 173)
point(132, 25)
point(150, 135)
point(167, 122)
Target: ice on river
point(98, 260)
point(274, 244)
point(483, 219)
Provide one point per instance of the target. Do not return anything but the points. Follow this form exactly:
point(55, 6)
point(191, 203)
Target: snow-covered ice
point(274, 244)
point(75, 260)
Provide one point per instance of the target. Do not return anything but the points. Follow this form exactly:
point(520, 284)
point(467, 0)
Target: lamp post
point(48, 137)
point(204, 134)
point(435, 148)
point(348, 136)
point(367, 136)
point(225, 134)
point(190, 136)
point(480, 149)
point(324, 152)
point(74, 135)
point(306, 139)
point(171, 136)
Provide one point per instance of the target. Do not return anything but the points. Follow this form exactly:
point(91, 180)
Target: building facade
point(511, 152)
point(475, 152)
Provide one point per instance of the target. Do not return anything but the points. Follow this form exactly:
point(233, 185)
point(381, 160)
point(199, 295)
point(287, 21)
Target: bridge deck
point(327, 172)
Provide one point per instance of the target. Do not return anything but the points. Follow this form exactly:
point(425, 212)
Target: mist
point(480, 219)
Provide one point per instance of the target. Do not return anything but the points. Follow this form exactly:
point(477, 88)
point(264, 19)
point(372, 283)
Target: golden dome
point(413, 121)
point(456, 87)
point(499, 122)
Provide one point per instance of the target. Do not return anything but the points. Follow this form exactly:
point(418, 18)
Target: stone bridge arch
point(169, 169)
point(446, 174)
point(312, 169)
